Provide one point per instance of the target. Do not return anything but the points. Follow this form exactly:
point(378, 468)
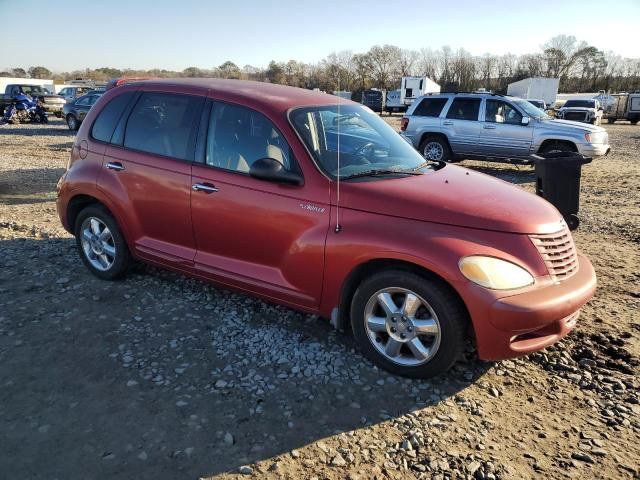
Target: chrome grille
point(558, 252)
point(575, 116)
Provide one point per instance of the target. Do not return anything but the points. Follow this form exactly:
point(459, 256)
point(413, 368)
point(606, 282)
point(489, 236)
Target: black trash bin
point(558, 182)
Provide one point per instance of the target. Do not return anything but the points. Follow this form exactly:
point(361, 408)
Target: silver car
point(486, 126)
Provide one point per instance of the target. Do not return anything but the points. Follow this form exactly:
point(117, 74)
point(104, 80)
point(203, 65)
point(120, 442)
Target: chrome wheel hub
point(402, 326)
point(97, 243)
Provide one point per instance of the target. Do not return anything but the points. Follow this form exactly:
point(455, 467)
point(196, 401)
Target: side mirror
point(272, 170)
point(525, 120)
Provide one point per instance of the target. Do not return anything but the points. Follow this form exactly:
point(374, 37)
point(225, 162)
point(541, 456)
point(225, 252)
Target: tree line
point(579, 66)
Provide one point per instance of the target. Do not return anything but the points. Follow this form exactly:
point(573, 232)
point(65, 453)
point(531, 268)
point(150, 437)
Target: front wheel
point(407, 324)
point(72, 122)
point(435, 149)
point(100, 242)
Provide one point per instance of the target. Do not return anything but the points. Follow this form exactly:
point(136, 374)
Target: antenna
point(338, 227)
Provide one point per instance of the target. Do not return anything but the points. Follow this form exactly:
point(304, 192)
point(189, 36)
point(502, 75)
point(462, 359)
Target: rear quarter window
point(109, 116)
point(430, 107)
point(164, 124)
point(464, 109)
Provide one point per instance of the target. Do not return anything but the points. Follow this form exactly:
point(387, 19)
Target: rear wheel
point(435, 149)
point(634, 122)
point(611, 120)
point(408, 325)
point(101, 244)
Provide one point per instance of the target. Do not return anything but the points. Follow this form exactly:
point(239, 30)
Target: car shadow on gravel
point(163, 376)
point(35, 130)
point(28, 181)
point(517, 174)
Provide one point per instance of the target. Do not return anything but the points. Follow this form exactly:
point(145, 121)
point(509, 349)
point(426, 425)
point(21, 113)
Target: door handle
point(117, 166)
point(447, 122)
point(204, 187)
point(489, 127)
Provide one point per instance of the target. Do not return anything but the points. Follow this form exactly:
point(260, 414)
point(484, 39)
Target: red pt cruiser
point(311, 201)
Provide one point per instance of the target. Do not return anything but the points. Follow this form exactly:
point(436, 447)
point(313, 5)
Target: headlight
point(490, 272)
point(595, 137)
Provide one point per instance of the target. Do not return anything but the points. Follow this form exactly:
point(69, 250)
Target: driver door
point(263, 237)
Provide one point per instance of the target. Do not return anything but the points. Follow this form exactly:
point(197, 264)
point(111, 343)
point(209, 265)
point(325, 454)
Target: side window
point(430, 107)
point(238, 136)
point(83, 101)
point(63, 92)
point(164, 124)
point(464, 109)
point(108, 117)
point(497, 111)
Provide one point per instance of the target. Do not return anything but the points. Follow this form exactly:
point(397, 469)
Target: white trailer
point(535, 88)
point(414, 87)
point(46, 83)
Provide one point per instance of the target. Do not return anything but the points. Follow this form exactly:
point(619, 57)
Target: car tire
point(435, 148)
point(72, 122)
point(634, 122)
point(439, 324)
point(100, 243)
point(611, 120)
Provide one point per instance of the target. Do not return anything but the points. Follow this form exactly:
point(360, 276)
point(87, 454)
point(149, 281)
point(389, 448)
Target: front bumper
point(594, 149)
point(53, 107)
point(530, 321)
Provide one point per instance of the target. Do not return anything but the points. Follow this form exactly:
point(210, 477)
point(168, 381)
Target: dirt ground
point(164, 377)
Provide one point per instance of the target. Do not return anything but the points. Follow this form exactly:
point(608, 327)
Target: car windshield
point(351, 140)
point(580, 103)
point(530, 110)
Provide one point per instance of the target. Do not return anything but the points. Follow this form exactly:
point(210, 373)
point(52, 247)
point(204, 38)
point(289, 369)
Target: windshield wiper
point(380, 171)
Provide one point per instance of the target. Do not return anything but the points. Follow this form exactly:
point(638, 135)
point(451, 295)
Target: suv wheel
point(407, 324)
point(72, 122)
point(436, 149)
point(101, 244)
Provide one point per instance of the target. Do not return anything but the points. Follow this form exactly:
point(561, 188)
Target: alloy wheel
point(98, 244)
point(433, 151)
point(402, 326)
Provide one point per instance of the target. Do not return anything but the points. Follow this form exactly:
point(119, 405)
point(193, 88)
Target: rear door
point(461, 125)
point(260, 236)
point(503, 135)
point(147, 171)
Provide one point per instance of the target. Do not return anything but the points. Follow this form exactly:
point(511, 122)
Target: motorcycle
point(25, 109)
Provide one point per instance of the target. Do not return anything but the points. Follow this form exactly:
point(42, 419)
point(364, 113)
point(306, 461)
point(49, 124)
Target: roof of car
point(272, 96)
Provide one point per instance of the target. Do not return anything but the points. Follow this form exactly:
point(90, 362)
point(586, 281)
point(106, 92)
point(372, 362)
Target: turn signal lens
point(493, 273)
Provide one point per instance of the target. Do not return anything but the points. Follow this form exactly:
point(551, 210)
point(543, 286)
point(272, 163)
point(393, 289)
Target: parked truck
point(374, 99)
point(52, 103)
point(538, 88)
point(624, 106)
point(394, 102)
point(414, 87)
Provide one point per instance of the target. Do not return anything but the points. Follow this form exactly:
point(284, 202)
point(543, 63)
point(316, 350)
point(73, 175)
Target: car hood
point(577, 109)
point(455, 196)
point(571, 125)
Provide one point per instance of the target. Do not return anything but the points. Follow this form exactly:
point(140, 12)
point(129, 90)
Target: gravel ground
point(160, 376)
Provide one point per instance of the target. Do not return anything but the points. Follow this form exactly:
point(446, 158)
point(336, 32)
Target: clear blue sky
point(175, 34)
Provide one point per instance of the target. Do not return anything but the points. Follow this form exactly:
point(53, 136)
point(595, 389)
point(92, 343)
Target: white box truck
point(535, 88)
point(414, 87)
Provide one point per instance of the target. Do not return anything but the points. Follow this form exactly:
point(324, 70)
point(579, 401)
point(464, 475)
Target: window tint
point(108, 117)
point(502, 112)
point(430, 107)
point(464, 109)
point(238, 136)
point(165, 124)
point(84, 101)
